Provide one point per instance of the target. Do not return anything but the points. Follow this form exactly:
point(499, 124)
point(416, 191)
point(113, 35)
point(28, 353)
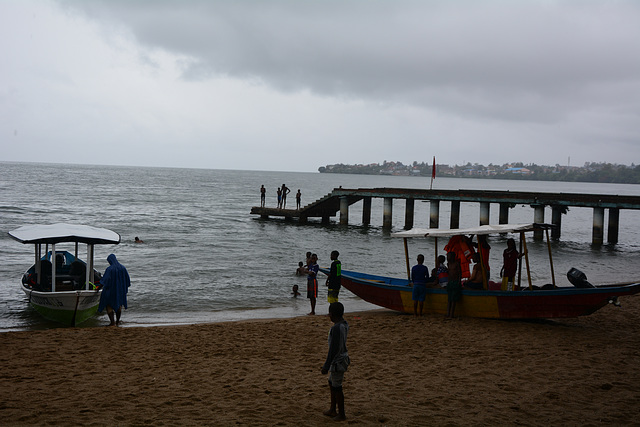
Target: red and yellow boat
point(529, 302)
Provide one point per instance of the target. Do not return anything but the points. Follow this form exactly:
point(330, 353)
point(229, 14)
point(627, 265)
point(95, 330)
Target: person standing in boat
point(334, 280)
point(508, 272)
point(454, 287)
point(115, 285)
point(419, 279)
point(483, 249)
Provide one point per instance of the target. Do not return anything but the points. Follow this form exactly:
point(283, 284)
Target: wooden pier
point(339, 200)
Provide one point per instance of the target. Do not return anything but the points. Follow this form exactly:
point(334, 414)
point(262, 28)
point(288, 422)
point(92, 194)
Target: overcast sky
point(294, 85)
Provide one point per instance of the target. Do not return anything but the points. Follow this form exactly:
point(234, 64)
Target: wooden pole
point(553, 276)
point(520, 262)
point(482, 267)
point(526, 258)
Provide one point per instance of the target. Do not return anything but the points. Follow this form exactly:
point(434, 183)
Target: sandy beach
point(404, 371)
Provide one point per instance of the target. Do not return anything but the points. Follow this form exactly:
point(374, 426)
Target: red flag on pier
point(433, 172)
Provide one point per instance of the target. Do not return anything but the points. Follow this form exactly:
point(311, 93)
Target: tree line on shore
point(590, 172)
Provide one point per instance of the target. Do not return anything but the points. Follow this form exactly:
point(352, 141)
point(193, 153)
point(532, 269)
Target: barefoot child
point(337, 360)
point(454, 287)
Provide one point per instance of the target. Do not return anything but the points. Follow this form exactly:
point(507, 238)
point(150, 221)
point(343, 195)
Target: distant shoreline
point(602, 173)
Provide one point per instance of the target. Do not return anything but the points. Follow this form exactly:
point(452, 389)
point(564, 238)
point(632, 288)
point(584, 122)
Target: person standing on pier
point(285, 191)
point(279, 192)
point(263, 195)
point(312, 282)
point(298, 199)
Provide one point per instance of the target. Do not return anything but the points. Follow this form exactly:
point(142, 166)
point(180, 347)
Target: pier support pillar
point(614, 219)
point(598, 226)
point(409, 214)
point(434, 214)
point(325, 219)
point(556, 219)
point(366, 210)
point(387, 212)
point(454, 222)
point(344, 211)
point(538, 217)
point(504, 213)
point(484, 213)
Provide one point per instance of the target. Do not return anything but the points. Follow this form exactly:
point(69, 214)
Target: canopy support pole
point(38, 248)
point(87, 277)
point(53, 267)
point(406, 255)
point(92, 278)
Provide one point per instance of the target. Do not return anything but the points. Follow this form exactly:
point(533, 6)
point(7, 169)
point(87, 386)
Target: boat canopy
point(57, 233)
point(480, 230)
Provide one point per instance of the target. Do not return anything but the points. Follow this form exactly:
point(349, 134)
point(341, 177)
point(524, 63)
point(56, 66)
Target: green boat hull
point(68, 308)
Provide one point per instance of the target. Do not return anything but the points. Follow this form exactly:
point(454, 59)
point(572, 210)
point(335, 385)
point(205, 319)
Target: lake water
point(206, 259)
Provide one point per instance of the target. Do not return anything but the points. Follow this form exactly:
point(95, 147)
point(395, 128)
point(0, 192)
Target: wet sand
point(404, 371)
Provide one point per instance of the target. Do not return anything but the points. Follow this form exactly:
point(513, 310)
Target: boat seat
point(77, 272)
point(45, 272)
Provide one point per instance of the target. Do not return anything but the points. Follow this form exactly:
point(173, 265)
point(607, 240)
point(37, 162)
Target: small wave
point(12, 209)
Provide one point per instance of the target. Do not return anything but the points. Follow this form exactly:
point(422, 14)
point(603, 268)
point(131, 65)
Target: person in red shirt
point(510, 266)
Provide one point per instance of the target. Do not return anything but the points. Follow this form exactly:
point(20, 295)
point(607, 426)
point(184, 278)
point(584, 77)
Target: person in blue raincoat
point(115, 285)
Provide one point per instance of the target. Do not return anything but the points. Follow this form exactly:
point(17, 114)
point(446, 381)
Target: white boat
point(59, 285)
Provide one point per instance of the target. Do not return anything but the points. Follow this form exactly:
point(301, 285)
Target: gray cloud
point(229, 83)
point(523, 61)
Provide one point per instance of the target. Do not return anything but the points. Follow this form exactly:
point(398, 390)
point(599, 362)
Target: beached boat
point(59, 285)
point(524, 302)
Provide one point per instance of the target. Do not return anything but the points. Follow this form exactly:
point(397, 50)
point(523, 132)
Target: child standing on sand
point(454, 287)
point(337, 360)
